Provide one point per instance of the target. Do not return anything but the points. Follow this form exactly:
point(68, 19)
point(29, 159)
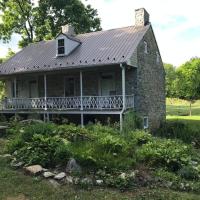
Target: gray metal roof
point(97, 48)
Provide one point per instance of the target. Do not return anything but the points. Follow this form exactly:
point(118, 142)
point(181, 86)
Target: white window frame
point(157, 57)
point(145, 47)
point(146, 122)
point(62, 38)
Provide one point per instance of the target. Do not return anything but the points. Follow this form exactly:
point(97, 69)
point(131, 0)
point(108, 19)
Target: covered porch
point(94, 90)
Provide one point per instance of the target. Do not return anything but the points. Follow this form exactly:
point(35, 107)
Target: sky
point(176, 24)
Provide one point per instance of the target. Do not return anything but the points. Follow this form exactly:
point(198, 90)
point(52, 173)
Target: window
point(146, 122)
point(157, 57)
point(61, 46)
point(69, 87)
point(145, 47)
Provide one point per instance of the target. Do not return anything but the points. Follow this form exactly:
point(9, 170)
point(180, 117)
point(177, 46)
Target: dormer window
point(61, 46)
point(145, 47)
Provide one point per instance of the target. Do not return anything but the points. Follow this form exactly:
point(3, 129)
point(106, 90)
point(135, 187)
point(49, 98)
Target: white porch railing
point(69, 103)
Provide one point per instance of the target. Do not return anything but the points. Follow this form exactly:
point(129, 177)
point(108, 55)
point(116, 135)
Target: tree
point(2, 84)
point(17, 17)
point(187, 82)
point(170, 76)
point(36, 23)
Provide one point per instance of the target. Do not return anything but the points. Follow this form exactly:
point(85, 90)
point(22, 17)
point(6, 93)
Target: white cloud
point(170, 19)
point(175, 22)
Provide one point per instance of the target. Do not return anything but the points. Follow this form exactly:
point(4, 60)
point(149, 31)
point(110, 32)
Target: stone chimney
point(141, 17)
point(68, 29)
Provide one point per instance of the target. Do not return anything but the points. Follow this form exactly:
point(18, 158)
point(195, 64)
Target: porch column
point(81, 97)
point(123, 87)
point(45, 91)
point(15, 87)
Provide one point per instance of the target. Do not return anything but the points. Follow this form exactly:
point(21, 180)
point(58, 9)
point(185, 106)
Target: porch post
point(121, 121)
point(81, 89)
point(123, 87)
point(15, 87)
point(45, 91)
point(81, 97)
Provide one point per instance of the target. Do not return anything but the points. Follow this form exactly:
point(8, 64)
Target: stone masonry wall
point(150, 98)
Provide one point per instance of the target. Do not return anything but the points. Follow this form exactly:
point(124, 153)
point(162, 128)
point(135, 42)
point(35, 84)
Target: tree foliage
point(187, 82)
point(36, 23)
point(170, 76)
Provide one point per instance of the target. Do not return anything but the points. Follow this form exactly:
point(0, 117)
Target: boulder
point(6, 156)
point(86, 181)
point(48, 174)
point(69, 179)
point(99, 182)
point(34, 169)
point(73, 167)
point(54, 183)
point(16, 164)
point(60, 176)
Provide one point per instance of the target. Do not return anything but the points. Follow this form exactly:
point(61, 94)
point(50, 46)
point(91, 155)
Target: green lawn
point(178, 110)
point(178, 107)
point(14, 185)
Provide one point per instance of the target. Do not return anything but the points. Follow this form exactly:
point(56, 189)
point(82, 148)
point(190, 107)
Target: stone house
point(102, 73)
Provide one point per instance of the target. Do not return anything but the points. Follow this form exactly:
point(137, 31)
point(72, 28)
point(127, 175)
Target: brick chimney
point(141, 17)
point(68, 29)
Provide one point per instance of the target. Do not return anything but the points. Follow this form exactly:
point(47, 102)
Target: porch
point(82, 103)
point(96, 90)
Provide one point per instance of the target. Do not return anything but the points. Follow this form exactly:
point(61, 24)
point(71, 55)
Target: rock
point(54, 183)
point(76, 180)
point(60, 176)
point(86, 181)
point(16, 164)
point(99, 182)
point(69, 179)
point(73, 167)
point(48, 174)
point(132, 174)
point(122, 176)
point(34, 169)
point(6, 156)
point(45, 170)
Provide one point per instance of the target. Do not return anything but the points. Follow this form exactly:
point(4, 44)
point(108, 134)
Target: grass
point(177, 107)
point(15, 185)
point(179, 110)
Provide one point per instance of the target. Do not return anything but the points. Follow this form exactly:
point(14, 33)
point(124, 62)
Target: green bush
point(43, 150)
point(188, 172)
point(45, 129)
point(165, 152)
point(179, 130)
point(131, 122)
point(138, 137)
point(73, 133)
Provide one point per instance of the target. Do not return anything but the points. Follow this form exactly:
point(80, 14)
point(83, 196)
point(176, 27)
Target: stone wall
point(150, 95)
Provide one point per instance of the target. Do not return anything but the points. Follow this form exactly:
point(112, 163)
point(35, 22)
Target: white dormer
point(66, 42)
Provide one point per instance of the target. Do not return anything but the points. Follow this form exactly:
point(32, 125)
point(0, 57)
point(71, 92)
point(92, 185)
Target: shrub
point(179, 130)
point(170, 153)
point(73, 133)
point(138, 137)
point(43, 150)
point(131, 122)
point(188, 172)
point(45, 129)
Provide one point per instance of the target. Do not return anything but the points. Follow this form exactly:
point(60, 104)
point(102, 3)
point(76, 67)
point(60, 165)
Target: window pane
point(61, 43)
point(61, 50)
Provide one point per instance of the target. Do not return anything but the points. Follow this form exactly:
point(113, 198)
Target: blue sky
point(176, 24)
